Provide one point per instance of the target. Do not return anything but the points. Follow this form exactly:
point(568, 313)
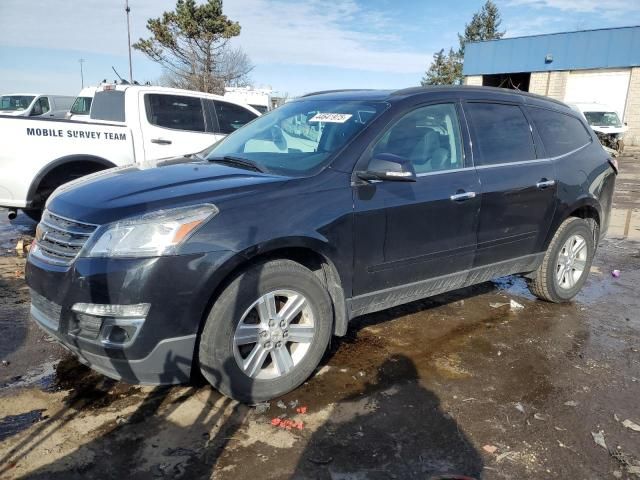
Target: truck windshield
point(603, 119)
point(299, 137)
point(81, 106)
point(13, 103)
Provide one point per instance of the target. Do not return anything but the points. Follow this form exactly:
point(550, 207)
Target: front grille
point(51, 311)
point(59, 239)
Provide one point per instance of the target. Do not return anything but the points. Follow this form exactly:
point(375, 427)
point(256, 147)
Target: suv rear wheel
point(566, 263)
point(267, 331)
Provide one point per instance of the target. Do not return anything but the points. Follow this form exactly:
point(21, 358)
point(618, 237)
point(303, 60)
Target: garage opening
point(514, 81)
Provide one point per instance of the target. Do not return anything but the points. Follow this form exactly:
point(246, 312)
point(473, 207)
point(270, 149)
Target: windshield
point(603, 119)
point(299, 137)
point(13, 103)
point(81, 106)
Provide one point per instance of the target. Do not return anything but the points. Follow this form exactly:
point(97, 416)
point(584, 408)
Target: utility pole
point(127, 9)
point(81, 72)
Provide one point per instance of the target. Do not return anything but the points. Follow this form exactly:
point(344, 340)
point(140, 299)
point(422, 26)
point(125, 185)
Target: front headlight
point(150, 235)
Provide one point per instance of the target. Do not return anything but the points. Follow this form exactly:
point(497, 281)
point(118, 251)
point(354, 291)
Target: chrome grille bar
point(60, 239)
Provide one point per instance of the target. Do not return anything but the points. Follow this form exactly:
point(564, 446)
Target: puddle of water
point(13, 424)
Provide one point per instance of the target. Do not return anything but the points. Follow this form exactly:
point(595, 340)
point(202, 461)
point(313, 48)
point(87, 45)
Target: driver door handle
point(544, 183)
point(161, 141)
point(462, 196)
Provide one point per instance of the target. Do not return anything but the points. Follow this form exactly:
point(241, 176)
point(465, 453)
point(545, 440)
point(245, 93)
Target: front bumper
point(178, 288)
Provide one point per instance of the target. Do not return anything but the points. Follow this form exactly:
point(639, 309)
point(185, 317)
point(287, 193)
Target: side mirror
point(389, 167)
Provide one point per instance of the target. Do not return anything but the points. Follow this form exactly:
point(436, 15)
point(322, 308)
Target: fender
point(565, 210)
point(61, 161)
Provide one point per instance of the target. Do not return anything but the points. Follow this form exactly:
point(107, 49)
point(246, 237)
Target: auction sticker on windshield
point(331, 117)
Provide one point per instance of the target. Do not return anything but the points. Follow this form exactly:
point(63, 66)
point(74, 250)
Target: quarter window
point(502, 133)
point(560, 133)
point(429, 137)
point(231, 117)
point(175, 111)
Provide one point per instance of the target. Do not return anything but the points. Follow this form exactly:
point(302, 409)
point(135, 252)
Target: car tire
point(566, 263)
point(225, 359)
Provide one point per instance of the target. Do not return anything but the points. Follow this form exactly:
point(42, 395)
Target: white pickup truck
point(128, 124)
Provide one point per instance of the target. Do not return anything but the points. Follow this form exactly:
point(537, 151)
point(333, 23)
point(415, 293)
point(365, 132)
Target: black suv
point(243, 260)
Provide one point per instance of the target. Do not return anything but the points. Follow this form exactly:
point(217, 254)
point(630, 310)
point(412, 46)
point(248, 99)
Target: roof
point(581, 50)
point(393, 95)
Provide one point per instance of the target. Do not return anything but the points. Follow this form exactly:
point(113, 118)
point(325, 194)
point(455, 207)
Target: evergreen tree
point(191, 45)
point(446, 69)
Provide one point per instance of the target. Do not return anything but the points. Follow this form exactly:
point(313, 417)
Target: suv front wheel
point(266, 332)
point(566, 263)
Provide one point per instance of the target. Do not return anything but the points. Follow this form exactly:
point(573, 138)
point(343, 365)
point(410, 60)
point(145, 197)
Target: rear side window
point(175, 111)
point(502, 133)
point(231, 117)
point(108, 106)
point(560, 133)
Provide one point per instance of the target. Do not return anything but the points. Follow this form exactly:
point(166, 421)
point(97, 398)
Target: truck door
point(173, 125)
point(229, 117)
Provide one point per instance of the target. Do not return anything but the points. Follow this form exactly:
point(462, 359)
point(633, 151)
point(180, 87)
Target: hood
point(118, 193)
point(13, 113)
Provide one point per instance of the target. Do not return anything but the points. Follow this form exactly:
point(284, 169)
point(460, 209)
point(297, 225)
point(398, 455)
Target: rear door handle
point(462, 196)
point(545, 183)
point(161, 141)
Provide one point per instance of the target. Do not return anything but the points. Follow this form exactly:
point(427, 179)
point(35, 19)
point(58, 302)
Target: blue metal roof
point(606, 48)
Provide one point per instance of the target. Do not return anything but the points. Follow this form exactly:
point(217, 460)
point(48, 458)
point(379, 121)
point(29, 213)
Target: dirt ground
point(460, 384)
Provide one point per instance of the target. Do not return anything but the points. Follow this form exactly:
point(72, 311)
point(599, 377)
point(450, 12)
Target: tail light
point(614, 164)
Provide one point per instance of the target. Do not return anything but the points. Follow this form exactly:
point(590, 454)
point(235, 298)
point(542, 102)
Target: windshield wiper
point(238, 162)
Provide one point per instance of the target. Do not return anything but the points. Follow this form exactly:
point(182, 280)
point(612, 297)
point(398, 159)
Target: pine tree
point(446, 69)
point(191, 44)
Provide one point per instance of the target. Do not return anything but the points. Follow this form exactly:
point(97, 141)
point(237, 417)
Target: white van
point(35, 105)
point(82, 105)
point(258, 98)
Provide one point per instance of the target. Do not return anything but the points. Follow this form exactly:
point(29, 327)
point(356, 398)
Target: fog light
point(137, 310)
point(118, 335)
point(112, 325)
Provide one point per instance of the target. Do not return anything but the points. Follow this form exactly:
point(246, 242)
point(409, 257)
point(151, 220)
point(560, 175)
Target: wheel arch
point(587, 208)
point(49, 169)
point(306, 251)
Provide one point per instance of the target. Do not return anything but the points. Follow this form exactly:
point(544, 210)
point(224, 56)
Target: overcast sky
point(296, 45)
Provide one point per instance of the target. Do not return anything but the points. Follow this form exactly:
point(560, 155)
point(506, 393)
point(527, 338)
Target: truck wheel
point(266, 332)
point(566, 263)
point(33, 214)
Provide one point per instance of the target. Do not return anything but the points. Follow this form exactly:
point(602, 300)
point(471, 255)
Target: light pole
point(81, 61)
point(127, 9)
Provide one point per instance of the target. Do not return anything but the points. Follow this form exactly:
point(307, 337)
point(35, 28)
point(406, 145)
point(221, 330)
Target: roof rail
point(320, 92)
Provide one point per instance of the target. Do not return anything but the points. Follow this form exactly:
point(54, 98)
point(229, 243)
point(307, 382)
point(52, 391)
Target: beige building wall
point(473, 80)
point(549, 84)
point(632, 109)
